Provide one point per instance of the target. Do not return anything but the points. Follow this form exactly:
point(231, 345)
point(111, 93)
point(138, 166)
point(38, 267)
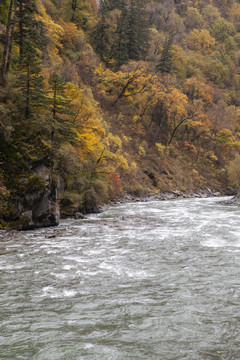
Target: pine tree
point(30, 30)
point(138, 30)
point(100, 34)
point(4, 10)
point(74, 7)
point(165, 63)
point(29, 84)
point(62, 127)
point(115, 4)
point(6, 58)
point(120, 47)
point(29, 81)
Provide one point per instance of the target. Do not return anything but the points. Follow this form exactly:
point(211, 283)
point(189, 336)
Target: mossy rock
point(35, 183)
point(3, 225)
point(90, 201)
point(66, 202)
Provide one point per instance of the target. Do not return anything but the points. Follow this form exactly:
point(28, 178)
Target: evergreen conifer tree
point(7, 40)
point(29, 84)
point(165, 62)
point(29, 81)
point(62, 128)
point(100, 34)
point(30, 30)
point(138, 30)
point(120, 47)
point(115, 4)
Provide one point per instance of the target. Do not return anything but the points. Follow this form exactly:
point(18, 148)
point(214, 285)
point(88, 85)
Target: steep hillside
point(99, 99)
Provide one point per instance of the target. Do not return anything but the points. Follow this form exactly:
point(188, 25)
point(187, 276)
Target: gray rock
point(39, 208)
point(233, 201)
point(44, 172)
point(80, 216)
point(50, 236)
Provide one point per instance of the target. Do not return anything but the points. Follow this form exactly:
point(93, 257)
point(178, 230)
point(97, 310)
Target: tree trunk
point(74, 6)
point(21, 30)
point(175, 129)
point(9, 58)
point(6, 45)
point(28, 92)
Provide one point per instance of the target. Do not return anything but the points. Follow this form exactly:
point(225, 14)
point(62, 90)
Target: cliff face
point(39, 208)
point(31, 198)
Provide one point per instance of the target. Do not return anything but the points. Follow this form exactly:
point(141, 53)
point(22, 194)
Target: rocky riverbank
point(42, 210)
point(235, 200)
point(171, 195)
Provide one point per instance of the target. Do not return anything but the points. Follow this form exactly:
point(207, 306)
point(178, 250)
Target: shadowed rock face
point(35, 204)
point(43, 211)
point(39, 207)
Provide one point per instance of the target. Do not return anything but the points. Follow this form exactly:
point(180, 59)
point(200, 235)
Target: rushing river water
point(144, 281)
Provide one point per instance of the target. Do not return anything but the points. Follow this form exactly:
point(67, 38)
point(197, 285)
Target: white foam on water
point(69, 293)
point(13, 267)
point(214, 243)
point(221, 243)
point(51, 292)
point(94, 252)
point(88, 273)
point(77, 259)
point(51, 252)
point(106, 266)
point(140, 274)
point(68, 267)
point(59, 276)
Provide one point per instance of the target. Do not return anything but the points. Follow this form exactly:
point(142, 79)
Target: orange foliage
point(116, 182)
point(94, 5)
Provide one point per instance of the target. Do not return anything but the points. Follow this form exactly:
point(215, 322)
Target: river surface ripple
point(156, 280)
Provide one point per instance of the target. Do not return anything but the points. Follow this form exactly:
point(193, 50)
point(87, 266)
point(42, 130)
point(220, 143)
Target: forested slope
point(98, 99)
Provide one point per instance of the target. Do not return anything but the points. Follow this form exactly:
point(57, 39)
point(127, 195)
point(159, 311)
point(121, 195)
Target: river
point(144, 281)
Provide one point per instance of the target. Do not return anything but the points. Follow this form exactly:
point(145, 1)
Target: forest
point(99, 99)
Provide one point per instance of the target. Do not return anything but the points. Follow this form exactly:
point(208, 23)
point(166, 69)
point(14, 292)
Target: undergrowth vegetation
point(127, 96)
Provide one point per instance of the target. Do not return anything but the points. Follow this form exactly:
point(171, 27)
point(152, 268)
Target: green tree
point(222, 30)
point(7, 40)
point(165, 62)
point(120, 46)
point(30, 34)
point(29, 82)
point(137, 30)
point(4, 9)
point(80, 11)
point(100, 34)
point(62, 128)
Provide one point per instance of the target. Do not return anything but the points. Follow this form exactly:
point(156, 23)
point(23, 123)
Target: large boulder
point(39, 206)
point(45, 212)
point(32, 199)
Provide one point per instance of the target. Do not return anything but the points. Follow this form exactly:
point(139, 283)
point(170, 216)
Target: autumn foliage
point(121, 89)
point(116, 182)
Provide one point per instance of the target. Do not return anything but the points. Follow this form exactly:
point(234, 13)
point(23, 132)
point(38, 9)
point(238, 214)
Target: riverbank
point(171, 195)
point(71, 212)
point(164, 196)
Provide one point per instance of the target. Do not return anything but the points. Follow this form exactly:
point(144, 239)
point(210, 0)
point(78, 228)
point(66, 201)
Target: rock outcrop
point(32, 200)
point(38, 207)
